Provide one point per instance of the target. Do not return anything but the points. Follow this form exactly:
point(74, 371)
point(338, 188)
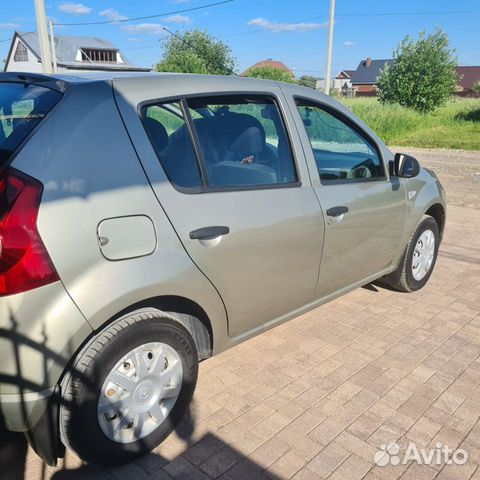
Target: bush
point(475, 90)
point(423, 75)
point(196, 51)
point(270, 73)
point(307, 81)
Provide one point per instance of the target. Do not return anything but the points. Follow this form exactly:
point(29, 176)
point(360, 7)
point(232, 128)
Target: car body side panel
point(366, 241)
point(90, 171)
point(268, 264)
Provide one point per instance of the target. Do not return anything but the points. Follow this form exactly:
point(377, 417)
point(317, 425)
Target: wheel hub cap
point(140, 392)
point(423, 255)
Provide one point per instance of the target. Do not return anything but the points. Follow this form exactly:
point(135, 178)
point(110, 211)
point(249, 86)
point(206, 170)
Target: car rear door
point(236, 189)
point(364, 208)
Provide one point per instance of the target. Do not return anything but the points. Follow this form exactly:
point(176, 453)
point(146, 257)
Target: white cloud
point(74, 8)
point(178, 19)
point(112, 15)
point(348, 44)
point(146, 28)
point(286, 27)
point(9, 26)
point(134, 39)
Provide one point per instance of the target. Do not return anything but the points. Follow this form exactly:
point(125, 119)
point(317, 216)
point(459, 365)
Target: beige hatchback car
point(148, 222)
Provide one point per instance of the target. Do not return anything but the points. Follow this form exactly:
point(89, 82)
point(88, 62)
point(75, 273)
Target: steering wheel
point(361, 172)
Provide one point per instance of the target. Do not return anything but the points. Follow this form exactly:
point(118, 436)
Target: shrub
point(196, 51)
point(270, 73)
point(423, 75)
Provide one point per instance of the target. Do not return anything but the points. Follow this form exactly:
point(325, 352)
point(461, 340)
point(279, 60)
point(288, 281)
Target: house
point(467, 76)
point(73, 54)
point(343, 80)
point(365, 78)
point(270, 63)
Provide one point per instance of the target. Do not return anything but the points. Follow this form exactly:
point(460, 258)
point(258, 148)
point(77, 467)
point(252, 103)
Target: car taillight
point(24, 261)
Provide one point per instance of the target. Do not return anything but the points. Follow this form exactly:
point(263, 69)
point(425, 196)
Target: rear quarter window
point(22, 107)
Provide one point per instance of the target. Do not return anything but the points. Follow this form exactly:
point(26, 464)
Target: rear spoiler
point(47, 81)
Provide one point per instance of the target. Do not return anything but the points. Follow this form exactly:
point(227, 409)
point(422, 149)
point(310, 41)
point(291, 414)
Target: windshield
point(22, 106)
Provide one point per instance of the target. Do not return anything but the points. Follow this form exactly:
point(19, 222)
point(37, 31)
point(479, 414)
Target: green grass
point(456, 125)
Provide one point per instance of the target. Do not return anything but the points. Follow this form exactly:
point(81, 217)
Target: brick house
point(365, 78)
point(467, 76)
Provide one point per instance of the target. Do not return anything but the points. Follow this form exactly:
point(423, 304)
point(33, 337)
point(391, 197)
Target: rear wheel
point(418, 260)
point(128, 388)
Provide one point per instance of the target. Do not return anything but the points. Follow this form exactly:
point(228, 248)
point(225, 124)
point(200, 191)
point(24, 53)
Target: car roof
point(111, 76)
point(61, 81)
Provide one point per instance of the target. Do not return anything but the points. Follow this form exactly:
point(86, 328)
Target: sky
point(292, 31)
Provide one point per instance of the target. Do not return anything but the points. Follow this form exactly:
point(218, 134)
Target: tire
point(403, 279)
point(87, 385)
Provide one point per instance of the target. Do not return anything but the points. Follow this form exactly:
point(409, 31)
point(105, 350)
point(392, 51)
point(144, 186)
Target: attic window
point(97, 55)
point(21, 53)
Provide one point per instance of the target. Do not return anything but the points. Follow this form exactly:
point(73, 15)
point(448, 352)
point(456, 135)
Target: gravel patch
point(458, 170)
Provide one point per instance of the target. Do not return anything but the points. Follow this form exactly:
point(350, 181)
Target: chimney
point(368, 62)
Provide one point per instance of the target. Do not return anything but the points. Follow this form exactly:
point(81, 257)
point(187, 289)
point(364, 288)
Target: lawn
point(456, 125)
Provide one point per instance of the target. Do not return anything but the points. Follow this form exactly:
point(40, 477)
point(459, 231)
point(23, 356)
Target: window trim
point(205, 188)
point(356, 128)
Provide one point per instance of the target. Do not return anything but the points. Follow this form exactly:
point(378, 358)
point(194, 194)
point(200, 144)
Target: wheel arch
point(189, 313)
point(437, 211)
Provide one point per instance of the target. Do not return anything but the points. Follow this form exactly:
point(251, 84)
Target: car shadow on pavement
point(209, 457)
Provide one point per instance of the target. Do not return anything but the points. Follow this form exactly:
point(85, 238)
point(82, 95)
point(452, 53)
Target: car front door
point(239, 196)
point(364, 209)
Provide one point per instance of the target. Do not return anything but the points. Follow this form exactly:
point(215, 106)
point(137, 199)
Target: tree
point(475, 89)
point(423, 75)
point(307, 81)
point(195, 51)
point(270, 73)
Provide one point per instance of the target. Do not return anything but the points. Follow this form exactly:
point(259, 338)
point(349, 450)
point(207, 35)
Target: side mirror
point(405, 166)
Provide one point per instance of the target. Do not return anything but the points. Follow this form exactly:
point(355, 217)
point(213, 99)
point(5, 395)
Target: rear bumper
point(21, 412)
point(40, 331)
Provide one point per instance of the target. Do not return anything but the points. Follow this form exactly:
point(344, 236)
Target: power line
point(10, 38)
point(133, 19)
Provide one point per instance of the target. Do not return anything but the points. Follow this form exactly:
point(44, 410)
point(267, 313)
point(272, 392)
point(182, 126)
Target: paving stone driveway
point(316, 397)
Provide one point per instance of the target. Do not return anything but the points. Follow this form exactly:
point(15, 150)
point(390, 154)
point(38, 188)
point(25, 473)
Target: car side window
point(169, 135)
point(243, 141)
point(341, 153)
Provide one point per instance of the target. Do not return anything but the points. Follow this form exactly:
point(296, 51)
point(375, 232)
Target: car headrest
point(250, 142)
point(235, 123)
point(157, 132)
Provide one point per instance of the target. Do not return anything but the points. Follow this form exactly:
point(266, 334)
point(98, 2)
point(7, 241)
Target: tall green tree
point(195, 51)
point(270, 73)
point(307, 81)
point(423, 75)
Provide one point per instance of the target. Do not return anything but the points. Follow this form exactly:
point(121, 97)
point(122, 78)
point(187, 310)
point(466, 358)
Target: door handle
point(208, 233)
point(337, 211)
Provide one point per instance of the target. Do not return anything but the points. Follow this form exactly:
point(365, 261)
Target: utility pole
point(43, 36)
point(328, 73)
point(52, 44)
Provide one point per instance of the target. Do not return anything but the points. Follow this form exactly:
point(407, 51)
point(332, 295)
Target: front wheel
point(128, 388)
point(418, 260)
